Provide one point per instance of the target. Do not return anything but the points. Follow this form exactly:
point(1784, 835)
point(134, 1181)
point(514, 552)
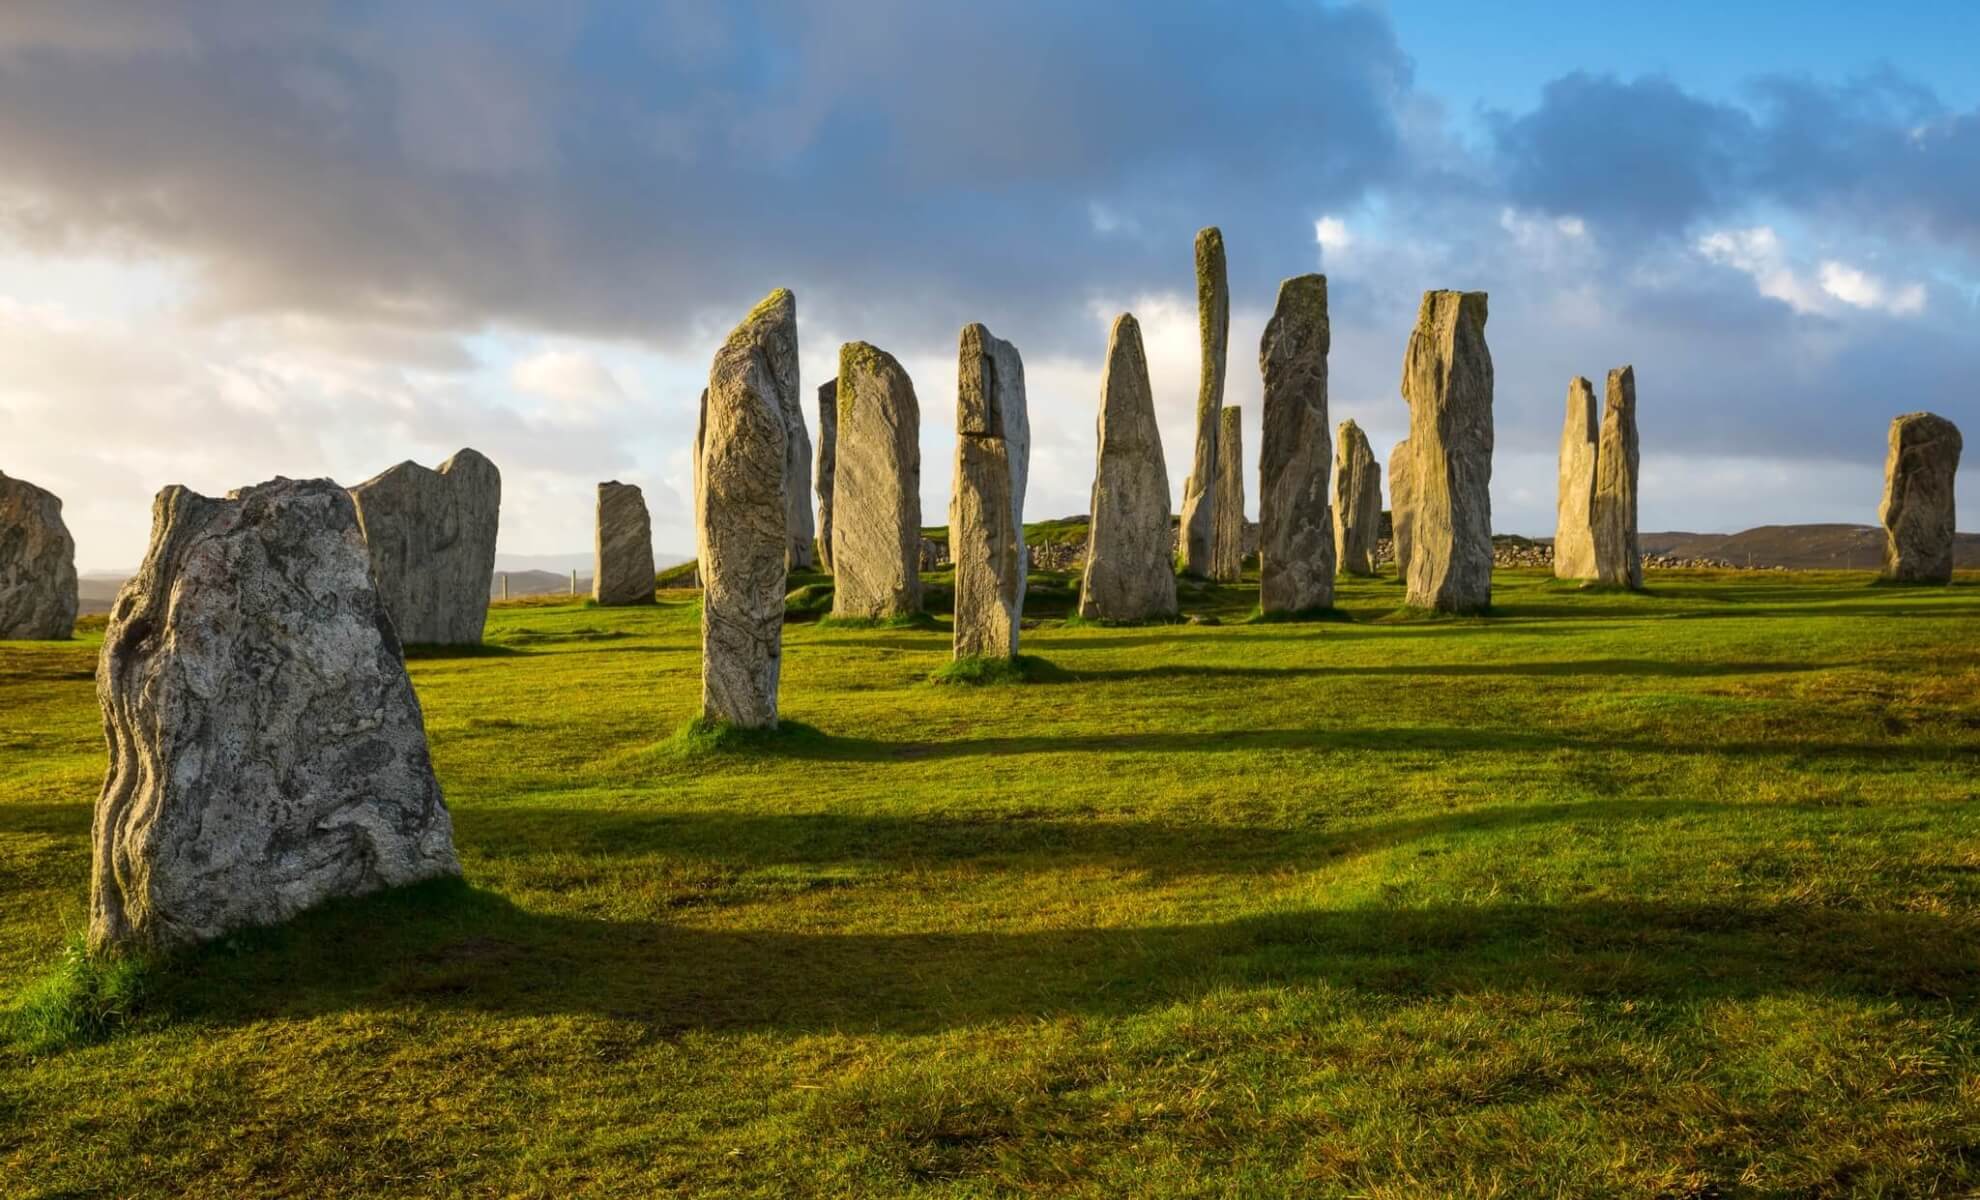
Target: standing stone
point(622, 567)
point(1357, 501)
point(828, 449)
point(267, 751)
point(1574, 511)
point(1447, 380)
point(37, 564)
point(797, 476)
point(1402, 518)
point(1213, 318)
point(1130, 573)
point(1227, 548)
point(432, 540)
point(876, 511)
point(742, 527)
point(1917, 512)
point(1617, 560)
point(1295, 522)
point(986, 508)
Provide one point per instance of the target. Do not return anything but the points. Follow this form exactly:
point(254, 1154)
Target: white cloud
point(1760, 253)
point(568, 377)
point(1864, 290)
point(1333, 235)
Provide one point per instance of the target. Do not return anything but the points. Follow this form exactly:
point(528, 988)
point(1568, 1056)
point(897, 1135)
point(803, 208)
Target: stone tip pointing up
point(876, 509)
point(1295, 453)
point(1227, 559)
point(1447, 380)
point(38, 597)
point(828, 458)
point(1357, 501)
point(1617, 561)
point(1213, 308)
point(622, 559)
point(1918, 511)
point(1574, 509)
point(742, 515)
point(986, 506)
point(1130, 572)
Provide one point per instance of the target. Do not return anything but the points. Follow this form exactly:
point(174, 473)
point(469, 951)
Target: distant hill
point(1796, 547)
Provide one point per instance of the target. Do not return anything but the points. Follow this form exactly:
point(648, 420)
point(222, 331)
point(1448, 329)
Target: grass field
point(1663, 895)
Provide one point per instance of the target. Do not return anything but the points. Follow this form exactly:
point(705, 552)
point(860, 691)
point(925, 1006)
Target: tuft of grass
point(702, 737)
point(979, 671)
point(84, 999)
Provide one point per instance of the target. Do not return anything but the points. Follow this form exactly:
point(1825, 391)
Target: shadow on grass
point(417, 652)
point(1595, 668)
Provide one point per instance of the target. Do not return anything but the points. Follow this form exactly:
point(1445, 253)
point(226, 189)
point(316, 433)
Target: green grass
point(1606, 894)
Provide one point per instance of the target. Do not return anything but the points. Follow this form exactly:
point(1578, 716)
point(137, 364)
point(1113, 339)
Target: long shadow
point(447, 947)
point(1600, 668)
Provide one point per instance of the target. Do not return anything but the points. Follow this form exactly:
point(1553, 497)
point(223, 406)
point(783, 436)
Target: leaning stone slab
point(37, 564)
point(1574, 510)
point(828, 458)
point(1357, 501)
point(431, 535)
point(742, 531)
point(1296, 526)
point(1213, 308)
point(1227, 548)
point(986, 507)
point(622, 565)
point(1917, 511)
point(1402, 521)
point(1447, 381)
point(1618, 563)
point(1130, 558)
point(876, 507)
point(267, 752)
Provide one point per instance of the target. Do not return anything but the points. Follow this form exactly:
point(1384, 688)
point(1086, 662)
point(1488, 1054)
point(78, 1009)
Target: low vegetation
point(1604, 894)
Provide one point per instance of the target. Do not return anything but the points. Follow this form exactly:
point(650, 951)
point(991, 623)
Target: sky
point(240, 240)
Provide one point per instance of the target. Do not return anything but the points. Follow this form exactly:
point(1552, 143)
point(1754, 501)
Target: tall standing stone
point(803, 555)
point(742, 525)
point(1617, 560)
point(828, 452)
point(1357, 501)
point(1917, 512)
point(432, 540)
point(37, 564)
point(876, 508)
point(1227, 549)
point(622, 562)
point(1402, 517)
point(1574, 510)
point(267, 752)
point(986, 507)
point(1213, 317)
point(1295, 521)
point(1447, 380)
point(1130, 572)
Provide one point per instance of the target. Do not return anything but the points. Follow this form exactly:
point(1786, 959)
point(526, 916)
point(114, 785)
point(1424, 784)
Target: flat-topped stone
point(37, 564)
point(986, 506)
point(622, 559)
point(1295, 519)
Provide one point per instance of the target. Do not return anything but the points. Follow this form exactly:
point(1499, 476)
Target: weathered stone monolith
point(37, 564)
point(1574, 510)
point(1447, 380)
point(1617, 560)
point(828, 451)
point(1213, 318)
point(986, 507)
point(1357, 501)
point(876, 507)
point(1227, 548)
point(1130, 556)
point(267, 752)
point(432, 540)
point(622, 562)
point(742, 518)
point(803, 554)
point(1296, 525)
point(1917, 512)
point(1402, 518)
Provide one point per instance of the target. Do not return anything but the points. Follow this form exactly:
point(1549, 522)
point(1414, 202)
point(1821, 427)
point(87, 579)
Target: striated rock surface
point(37, 564)
point(1402, 522)
point(1447, 380)
point(876, 507)
point(1357, 501)
point(431, 535)
point(1613, 524)
point(267, 752)
point(1130, 572)
point(803, 554)
point(1227, 548)
point(828, 452)
point(622, 562)
point(1296, 526)
point(1213, 308)
point(986, 506)
point(1918, 511)
point(742, 525)
point(1574, 511)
